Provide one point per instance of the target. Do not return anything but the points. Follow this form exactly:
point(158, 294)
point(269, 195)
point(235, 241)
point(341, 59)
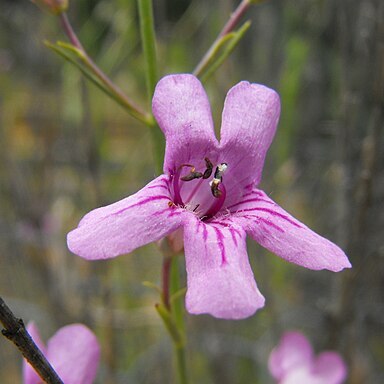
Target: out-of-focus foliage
point(65, 148)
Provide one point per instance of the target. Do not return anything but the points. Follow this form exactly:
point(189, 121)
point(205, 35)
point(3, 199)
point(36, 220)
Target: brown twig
point(15, 331)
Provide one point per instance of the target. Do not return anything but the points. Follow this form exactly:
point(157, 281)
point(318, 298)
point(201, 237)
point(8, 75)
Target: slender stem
point(148, 38)
point(228, 28)
point(65, 23)
point(167, 262)
point(135, 111)
point(169, 315)
point(181, 364)
point(235, 17)
point(15, 331)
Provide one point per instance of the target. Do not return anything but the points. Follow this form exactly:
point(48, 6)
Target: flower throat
point(211, 208)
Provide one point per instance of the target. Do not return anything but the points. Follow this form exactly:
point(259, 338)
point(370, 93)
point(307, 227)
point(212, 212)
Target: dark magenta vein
point(273, 213)
point(266, 221)
point(250, 201)
point(233, 232)
point(146, 200)
point(165, 186)
point(253, 192)
point(220, 241)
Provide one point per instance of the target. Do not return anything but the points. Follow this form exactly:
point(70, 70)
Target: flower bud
point(54, 6)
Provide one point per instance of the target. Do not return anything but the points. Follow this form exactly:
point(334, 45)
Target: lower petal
point(74, 352)
point(220, 279)
point(128, 224)
point(279, 232)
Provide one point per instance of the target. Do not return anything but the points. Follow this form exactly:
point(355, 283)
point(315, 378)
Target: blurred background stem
point(112, 88)
point(148, 39)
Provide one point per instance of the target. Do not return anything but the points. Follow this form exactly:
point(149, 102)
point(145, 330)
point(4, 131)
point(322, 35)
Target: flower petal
point(128, 224)
point(293, 352)
point(250, 116)
point(181, 107)
point(220, 279)
point(301, 375)
point(29, 374)
point(282, 234)
point(330, 368)
point(74, 353)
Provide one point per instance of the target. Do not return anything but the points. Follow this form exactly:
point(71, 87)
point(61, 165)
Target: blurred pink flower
point(293, 362)
point(73, 351)
point(210, 190)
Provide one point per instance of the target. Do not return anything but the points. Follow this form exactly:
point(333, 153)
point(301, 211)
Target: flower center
point(193, 190)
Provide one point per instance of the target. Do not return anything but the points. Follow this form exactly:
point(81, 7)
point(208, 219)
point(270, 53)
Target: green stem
point(130, 106)
point(169, 314)
point(181, 364)
point(148, 38)
point(167, 261)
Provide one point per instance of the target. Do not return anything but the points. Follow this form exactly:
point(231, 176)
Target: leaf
point(219, 52)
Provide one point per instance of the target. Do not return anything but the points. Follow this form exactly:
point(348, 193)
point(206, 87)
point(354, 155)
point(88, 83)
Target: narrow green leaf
point(169, 323)
point(73, 55)
point(221, 51)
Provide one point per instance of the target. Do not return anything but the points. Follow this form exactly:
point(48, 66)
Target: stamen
point(220, 169)
point(217, 203)
point(215, 187)
point(218, 178)
point(191, 176)
point(195, 209)
point(208, 171)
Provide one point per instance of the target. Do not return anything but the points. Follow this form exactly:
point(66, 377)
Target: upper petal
point(220, 279)
point(279, 232)
point(74, 353)
point(250, 116)
point(128, 224)
point(181, 107)
point(292, 353)
point(330, 368)
point(29, 374)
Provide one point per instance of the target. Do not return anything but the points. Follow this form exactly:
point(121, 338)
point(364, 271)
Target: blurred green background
point(66, 148)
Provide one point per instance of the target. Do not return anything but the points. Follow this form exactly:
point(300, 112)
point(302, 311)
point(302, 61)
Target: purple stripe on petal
point(253, 193)
point(250, 201)
point(198, 226)
point(205, 234)
point(249, 186)
point(164, 186)
point(273, 213)
point(233, 232)
point(144, 201)
point(174, 213)
point(265, 221)
point(220, 241)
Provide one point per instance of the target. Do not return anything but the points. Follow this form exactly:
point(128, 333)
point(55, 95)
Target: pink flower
point(73, 351)
point(210, 190)
point(293, 362)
